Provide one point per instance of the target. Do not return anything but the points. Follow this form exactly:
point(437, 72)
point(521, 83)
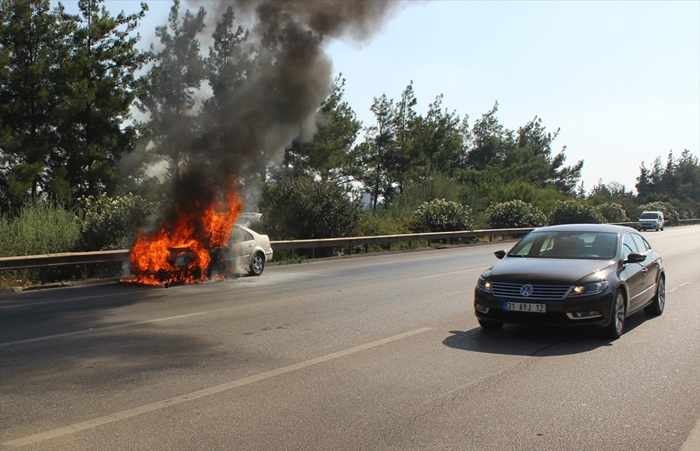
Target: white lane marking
point(129, 413)
point(99, 329)
point(464, 271)
point(680, 286)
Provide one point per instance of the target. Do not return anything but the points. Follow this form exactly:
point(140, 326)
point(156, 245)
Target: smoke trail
point(292, 75)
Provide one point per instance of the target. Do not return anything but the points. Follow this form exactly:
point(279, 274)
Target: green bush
point(301, 208)
point(575, 212)
point(41, 227)
point(440, 215)
point(671, 215)
point(372, 224)
point(613, 212)
point(544, 199)
point(112, 222)
point(514, 214)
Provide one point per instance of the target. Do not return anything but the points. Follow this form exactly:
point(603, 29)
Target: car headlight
point(484, 285)
point(588, 289)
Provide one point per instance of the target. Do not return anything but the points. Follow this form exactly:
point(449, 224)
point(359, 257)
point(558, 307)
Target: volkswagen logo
point(526, 290)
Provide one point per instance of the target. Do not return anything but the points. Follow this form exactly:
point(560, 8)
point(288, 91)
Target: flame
point(159, 257)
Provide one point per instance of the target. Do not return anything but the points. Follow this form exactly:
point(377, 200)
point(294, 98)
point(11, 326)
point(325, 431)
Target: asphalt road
point(372, 352)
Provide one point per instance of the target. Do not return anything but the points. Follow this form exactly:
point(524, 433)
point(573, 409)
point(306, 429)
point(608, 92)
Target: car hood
point(548, 270)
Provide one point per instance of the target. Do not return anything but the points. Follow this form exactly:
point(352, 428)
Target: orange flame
point(190, 237)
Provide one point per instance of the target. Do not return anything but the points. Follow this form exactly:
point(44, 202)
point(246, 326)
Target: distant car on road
point(573, 275)
point(653, 220)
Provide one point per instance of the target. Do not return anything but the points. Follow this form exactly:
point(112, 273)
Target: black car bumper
point(567, 312)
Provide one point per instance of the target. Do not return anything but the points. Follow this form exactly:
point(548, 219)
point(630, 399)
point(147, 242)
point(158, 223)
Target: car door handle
point(645, 271)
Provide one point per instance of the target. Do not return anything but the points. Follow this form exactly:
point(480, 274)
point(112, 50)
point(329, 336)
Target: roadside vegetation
point(78, 172)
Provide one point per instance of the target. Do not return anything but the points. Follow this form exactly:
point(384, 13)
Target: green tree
point(96, 87)
point(497, 155)
point(373, 156)
point(328, 154)
point(440, 142)
point(168, 91)
point(487, 146)
point(676, 182)
point(29, 44)
point(402, 160)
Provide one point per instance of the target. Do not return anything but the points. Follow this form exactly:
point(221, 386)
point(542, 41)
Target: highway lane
point(378, 352)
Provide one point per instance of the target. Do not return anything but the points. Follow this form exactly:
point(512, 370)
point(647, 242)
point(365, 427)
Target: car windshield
point(649, 216)
point(568, 245)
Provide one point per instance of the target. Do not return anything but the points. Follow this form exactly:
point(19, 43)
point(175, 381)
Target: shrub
point(301, 208)
point(671, 216)
point(439, 215)
point(514, 214)
point(613, 212)
point(112, 222)
point(372, 224)
point(575, 212)
point(41, 227)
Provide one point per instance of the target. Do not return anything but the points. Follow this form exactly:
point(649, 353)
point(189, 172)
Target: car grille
point(539, 292)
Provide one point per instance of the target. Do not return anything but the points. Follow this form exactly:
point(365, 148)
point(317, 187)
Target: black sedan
point(574, 274)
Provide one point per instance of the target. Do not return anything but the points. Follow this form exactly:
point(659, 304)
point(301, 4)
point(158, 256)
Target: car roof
point(609, 228)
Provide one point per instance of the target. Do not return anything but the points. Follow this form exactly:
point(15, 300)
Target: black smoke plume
point(285, 79)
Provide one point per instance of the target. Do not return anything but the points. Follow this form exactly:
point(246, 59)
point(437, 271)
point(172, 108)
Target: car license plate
point(524, 307)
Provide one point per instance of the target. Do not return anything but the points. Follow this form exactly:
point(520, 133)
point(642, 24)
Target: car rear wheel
point(657, 306)
point(489, 324)
point(257, 265)
point(617, 322)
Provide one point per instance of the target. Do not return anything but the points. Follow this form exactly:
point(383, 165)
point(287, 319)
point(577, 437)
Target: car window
point(629, 246)
point(239, 235)
point(583, 245)
point(642, 244)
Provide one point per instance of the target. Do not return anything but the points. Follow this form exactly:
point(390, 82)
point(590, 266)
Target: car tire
point(257, 265)
point(617, 320)
point(657, 306)
point(489, 324)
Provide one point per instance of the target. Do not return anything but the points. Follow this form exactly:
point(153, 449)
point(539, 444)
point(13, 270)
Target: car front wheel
point(257, 265)
point(656, 307)
point(617, 322)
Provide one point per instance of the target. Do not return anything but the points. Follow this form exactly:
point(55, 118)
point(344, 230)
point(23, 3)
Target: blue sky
point(620, 79)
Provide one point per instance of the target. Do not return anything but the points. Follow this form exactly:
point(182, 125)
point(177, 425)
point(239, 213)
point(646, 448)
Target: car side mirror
point(635, 257)
point(500, 254)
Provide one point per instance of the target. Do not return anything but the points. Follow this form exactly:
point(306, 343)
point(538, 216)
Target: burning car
point(246, 252)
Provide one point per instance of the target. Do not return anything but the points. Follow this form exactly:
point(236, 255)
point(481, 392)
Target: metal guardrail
point(122, 255)
point(85, 258)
